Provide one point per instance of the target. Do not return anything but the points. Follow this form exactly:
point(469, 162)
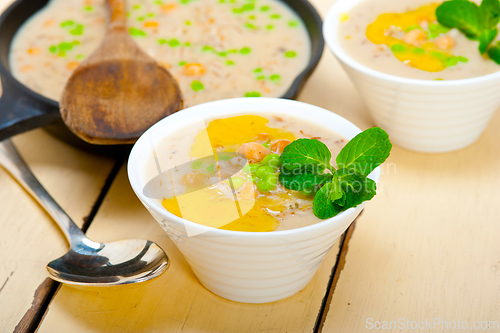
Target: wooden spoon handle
point(117, 14)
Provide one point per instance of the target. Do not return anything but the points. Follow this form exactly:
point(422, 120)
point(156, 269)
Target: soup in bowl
point(270, 254)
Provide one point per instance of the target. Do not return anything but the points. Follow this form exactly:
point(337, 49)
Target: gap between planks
point(334, 277)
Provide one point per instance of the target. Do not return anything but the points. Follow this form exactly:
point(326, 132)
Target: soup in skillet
point(215, 49)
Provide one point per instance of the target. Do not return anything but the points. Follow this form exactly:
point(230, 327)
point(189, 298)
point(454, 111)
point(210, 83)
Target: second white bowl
point(420, 115)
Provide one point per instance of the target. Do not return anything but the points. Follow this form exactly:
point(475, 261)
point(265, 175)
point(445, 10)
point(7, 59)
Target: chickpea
point(415, 37)
point(194, 69)
point(444, 42)
point(194, 179)
point(278, 146)
point(255, 152)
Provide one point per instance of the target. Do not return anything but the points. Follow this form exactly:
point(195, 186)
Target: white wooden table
point(426, 248)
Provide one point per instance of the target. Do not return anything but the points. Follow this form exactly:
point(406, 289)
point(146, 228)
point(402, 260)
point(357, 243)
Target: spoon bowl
point(114, 263)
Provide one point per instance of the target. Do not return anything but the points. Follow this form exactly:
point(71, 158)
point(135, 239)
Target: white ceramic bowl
point(248, 267)
point(420, 115)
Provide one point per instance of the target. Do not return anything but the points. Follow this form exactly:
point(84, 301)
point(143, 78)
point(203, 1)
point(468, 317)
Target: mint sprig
point(306, 164)
point(477, 23)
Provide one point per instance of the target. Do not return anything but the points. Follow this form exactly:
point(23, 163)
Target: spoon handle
point(15, 165)
point(117, 14)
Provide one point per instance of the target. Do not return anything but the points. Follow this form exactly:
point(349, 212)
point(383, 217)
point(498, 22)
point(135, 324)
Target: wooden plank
point(427, 246)
point(29, 239)
point(175, 302)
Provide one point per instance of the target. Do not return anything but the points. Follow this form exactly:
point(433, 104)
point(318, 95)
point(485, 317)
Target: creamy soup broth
point(353, 37)
point(279, 209)
point(216, 49)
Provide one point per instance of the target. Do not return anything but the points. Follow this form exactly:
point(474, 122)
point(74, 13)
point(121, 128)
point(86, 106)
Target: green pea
point(88, 8)
point(269, 27)
point(261, 77)
point(173, 43)
point(267, 183)
point(274, 77)
point(136, 32)
point(238, 182)
point(290, 54)
point(272, 160)
point(253, 94)
point(196, 165)
point(264, 171)
point(162, 41)
point(53, 49)
point(224, 157)
point(257, 70)
point(182, 63)
point(229, 62)
point(197, 85)
point(245, 50)
point(451, 61)
point(77, 31)
point(254, 167)
point(67, 23)
point(275, 16)
point(399, 48)
point(265, 8)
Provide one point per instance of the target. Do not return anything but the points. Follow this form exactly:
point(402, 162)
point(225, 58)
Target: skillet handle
point(20, 112)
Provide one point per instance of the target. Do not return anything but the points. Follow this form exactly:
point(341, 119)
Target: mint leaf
point(494, 53)
point(463, 15)
point(365, 151)
point(336, 191)
point(306, 166)
point(306, 153)
point(297, 181)
point(487, 36)
point(475, 22)
point(323, 207)
point(357, 188)
point(492, 6)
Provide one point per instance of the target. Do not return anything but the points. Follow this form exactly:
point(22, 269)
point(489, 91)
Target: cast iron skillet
point(21, 109)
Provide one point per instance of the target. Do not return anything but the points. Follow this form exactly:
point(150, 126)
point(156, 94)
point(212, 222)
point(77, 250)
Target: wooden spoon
point(119, 91)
